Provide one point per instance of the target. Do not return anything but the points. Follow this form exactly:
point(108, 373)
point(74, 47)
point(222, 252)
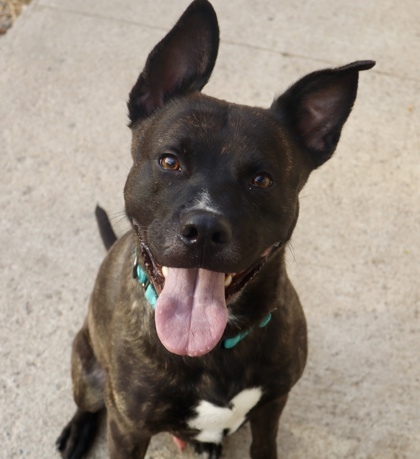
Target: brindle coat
point(214, 186)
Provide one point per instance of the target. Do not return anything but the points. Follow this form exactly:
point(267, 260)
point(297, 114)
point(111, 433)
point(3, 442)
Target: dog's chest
point(213, 421)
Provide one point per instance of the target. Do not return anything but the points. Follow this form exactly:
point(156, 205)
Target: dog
point(193, 326)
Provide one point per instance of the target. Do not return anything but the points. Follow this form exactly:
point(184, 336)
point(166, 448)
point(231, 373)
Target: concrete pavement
point(66, 68)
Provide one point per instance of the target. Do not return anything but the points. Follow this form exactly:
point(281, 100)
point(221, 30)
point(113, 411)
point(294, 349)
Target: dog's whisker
point(291, 250)
point(309, 195)
point(119, 217)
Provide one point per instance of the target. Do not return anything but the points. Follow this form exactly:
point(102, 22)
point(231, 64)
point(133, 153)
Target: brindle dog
point(193, 325)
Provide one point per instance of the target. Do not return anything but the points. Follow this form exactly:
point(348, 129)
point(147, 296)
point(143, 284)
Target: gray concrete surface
point(66, 69)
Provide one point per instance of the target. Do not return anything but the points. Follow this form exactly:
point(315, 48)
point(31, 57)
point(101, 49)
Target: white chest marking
point(212, 420)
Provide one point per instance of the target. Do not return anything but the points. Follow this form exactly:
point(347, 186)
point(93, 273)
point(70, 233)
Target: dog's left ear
point(182, 62)
point(317, 106)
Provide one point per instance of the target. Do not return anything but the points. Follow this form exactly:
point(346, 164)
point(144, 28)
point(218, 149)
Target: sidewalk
point(66, 68)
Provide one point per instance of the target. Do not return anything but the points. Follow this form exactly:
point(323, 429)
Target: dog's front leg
point(264, 425)
point(125, 445)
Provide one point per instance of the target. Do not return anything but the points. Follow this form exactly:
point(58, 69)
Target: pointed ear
point(318, 105)
point(180, 63)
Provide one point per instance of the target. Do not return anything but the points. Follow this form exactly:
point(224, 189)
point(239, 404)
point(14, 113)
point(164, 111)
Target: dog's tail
point(105, 229)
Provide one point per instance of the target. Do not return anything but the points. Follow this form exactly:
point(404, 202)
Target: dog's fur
point(213, 190)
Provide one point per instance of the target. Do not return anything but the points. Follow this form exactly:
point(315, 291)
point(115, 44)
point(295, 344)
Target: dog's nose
point(204, 228)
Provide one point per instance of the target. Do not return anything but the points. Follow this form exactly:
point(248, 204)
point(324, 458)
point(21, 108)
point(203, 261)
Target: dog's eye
point(262, 180)
point(169, 162)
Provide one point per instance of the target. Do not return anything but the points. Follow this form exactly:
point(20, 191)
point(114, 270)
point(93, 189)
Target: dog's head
point(213, 191)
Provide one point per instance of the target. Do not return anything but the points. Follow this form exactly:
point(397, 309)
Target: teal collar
point(149, 291)
point(229, 343)
point(151, 297)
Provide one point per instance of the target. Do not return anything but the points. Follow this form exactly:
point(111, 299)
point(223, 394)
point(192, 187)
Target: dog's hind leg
point(88, 382)
point(77, 437)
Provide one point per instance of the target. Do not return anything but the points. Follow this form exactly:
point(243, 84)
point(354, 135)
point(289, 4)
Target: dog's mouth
point(233, 282)
point(191, 310)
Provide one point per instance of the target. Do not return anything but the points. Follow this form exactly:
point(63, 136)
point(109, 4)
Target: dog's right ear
point(182, 62)
point(318, 105)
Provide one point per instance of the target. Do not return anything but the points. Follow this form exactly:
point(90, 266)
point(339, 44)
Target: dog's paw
point(77, 437)
point(209, 450)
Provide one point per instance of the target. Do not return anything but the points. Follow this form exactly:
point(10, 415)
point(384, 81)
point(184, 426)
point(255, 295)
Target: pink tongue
point(191, 313)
